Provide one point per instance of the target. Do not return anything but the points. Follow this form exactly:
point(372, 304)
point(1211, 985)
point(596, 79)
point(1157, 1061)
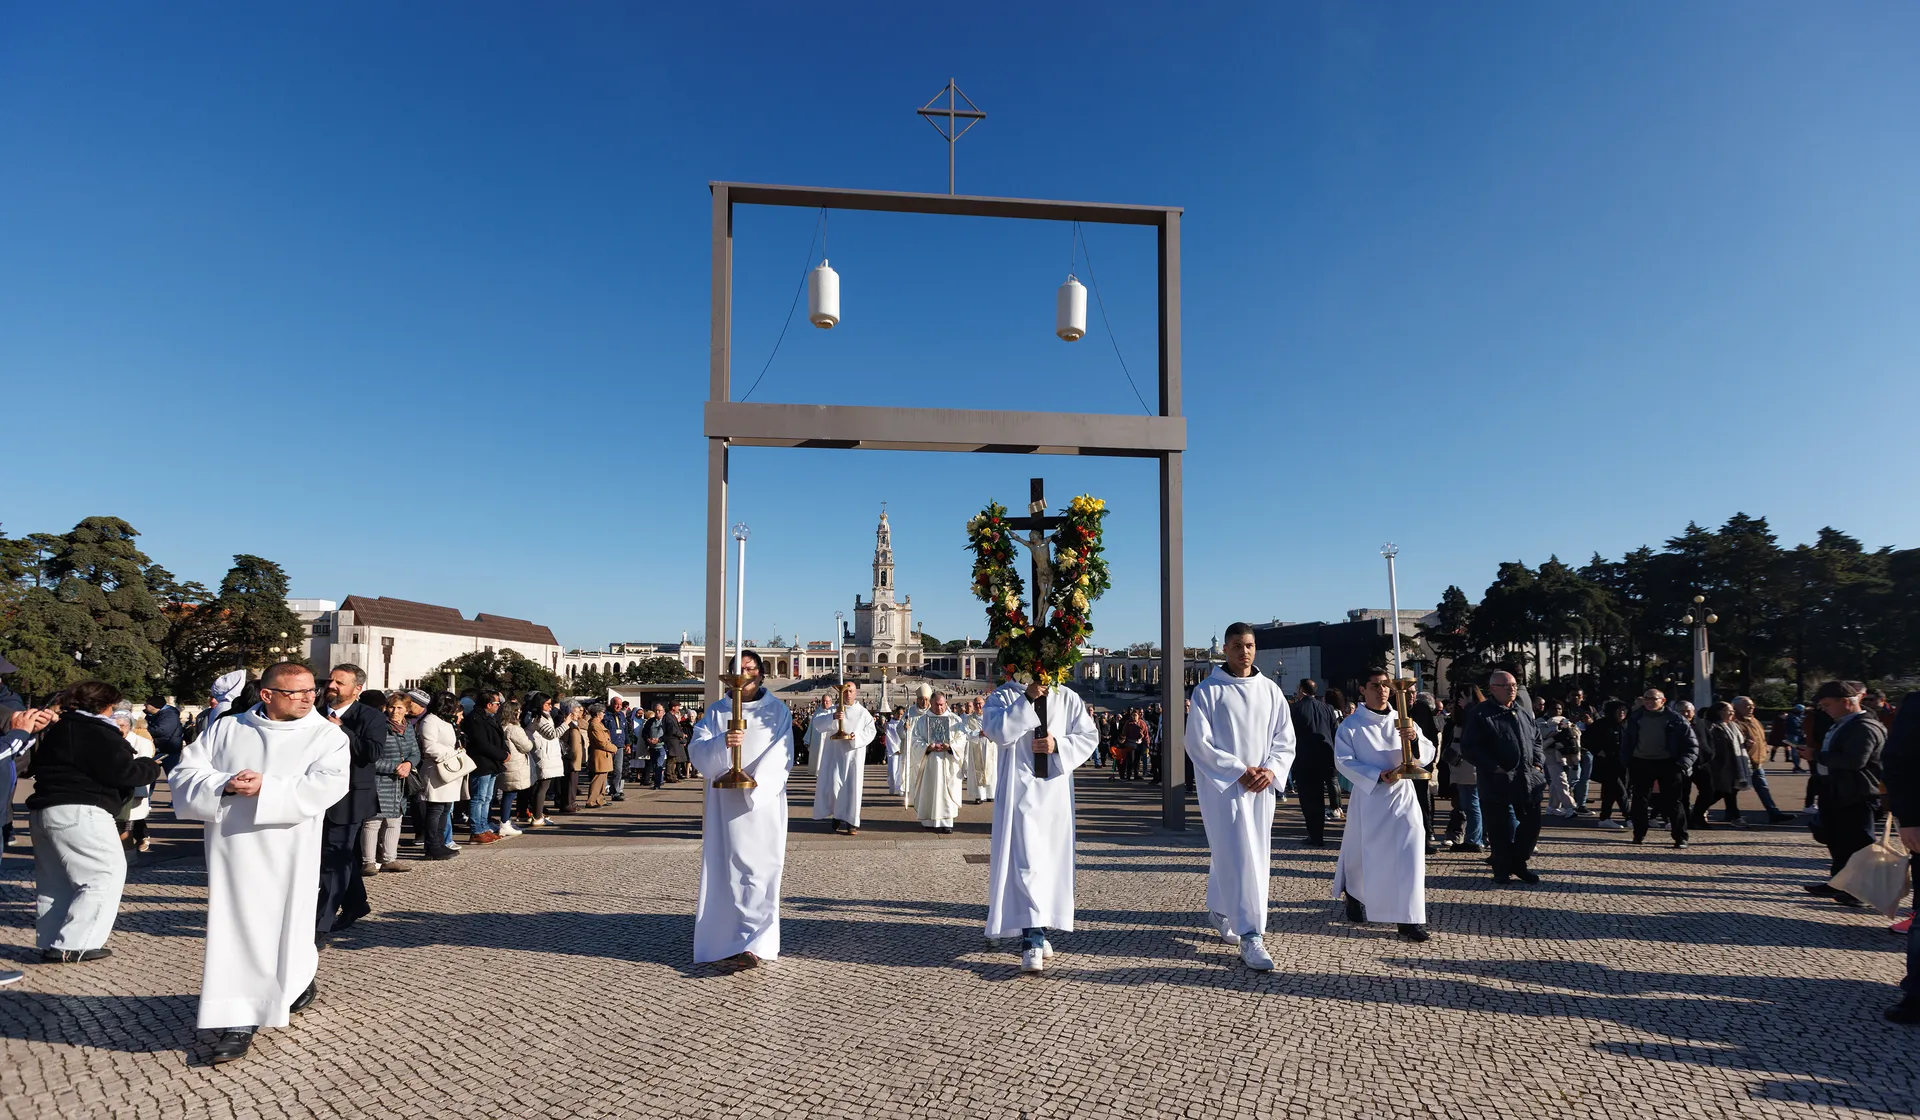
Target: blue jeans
point(507, 798)
point(9, 777)
point(1579, 777)
point(1466, 809)
point(617, 781)
point(1760, 788)
point(480, 804)
point(659, 769)
point(1032, 937)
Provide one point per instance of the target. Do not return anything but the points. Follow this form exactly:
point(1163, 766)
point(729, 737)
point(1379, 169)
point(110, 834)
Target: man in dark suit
point(343, 892)
point(163, 723)
point(1314, 723)
point(1498, 738)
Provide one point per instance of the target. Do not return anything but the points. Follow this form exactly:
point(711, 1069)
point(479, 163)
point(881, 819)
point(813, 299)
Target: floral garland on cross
point(1047, 651)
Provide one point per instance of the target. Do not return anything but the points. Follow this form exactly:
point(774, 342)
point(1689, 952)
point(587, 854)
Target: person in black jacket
point(1847, 762)
point(1313, 726)
point(1510, 768)
point(1900, 760)
point(487, 745)
point(83, 771)
point(169, 737)
point(343, 887)
point(1659, 747)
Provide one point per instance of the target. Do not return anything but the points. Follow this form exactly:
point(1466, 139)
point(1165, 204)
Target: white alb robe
point(983, 762)
point(743, 837)
point(263, 857)
point(938, 778)
point(1030, 868)
point(909, 758)
point(1383, 852)
point(1234, 723)
point(841, 764)
point(896, 756)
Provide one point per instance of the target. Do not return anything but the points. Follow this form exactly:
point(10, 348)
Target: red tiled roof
point(403, 614)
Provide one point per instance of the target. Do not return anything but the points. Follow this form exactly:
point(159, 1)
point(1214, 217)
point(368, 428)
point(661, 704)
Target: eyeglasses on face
point(293, 691)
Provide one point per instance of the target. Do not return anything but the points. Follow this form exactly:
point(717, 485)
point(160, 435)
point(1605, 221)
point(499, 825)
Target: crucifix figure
point(1038, 525)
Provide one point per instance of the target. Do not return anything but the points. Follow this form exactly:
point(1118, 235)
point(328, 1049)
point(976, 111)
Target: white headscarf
point(225, 688)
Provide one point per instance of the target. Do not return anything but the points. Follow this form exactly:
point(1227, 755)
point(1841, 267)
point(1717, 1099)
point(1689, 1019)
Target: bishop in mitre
point(841, 764)
point(936, 753)
point(1383, 853)
point(1030, 865)
point(743, 837)
point(1240, 742)
point(262, 780)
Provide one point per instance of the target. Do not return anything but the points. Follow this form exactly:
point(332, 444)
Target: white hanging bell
point(1070, 311)
point(823, 297)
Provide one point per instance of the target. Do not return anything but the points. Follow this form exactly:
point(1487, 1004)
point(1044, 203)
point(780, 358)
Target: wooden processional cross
point(1038, 525)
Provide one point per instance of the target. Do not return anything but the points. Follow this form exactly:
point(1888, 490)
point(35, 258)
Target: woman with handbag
point(443, 766)
point(393, 771)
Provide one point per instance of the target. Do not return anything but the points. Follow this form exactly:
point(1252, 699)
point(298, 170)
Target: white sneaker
point(1255, 955)
point(1612, 824)
point(508, 830)
point(452, 847)
point(1046, 949)
point(1219, 922)
point(1033, 960)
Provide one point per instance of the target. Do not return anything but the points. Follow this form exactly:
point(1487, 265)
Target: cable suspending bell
point(819, 236)
point(1094, 282)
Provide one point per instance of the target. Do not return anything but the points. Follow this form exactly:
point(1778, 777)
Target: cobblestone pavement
point(550, 976)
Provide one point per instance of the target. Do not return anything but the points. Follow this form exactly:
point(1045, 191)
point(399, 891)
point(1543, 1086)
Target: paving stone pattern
point(550, 976)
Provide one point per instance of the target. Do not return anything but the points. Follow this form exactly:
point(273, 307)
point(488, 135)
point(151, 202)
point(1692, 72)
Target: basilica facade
point(883, 634)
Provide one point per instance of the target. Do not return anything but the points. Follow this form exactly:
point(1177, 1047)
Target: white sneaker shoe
point(1219, 922)
point(508, 830)
point(1046, 949)
point(1033, 960)
point(1612, 824)
point(1255, 955)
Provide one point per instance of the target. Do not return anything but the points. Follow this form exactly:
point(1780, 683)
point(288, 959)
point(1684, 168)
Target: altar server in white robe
point(897, 752)
point(743, 839)
point(1383, 854)
point(262, 780)
point(983, 758)
point(819, 725)
point(1240, 742)
point(939, 737)
point(841, 763)
point(1030, 868)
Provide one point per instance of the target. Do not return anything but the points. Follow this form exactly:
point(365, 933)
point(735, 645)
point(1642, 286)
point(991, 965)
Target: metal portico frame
point(1162, 436)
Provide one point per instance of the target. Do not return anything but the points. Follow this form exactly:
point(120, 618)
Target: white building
point(399, 642)
point(883, 633)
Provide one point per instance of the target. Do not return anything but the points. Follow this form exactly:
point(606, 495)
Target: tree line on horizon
point(1788, 618)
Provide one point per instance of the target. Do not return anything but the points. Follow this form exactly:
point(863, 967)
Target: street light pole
point(1700, 618)
point(839, 646)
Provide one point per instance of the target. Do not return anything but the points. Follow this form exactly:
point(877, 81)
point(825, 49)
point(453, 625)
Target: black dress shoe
point(1356, 910)
point(1824, 890)
point(1845, 899)
point(305, 999)
point(1314, 843)
point(1502, 878)
point(1526, 876)
point(448, 854)
point(73, 956)
point(1412, 931)
point(231, 1046)
point(1906, 1013)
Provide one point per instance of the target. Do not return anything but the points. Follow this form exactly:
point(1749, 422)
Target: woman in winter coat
point(399, 756)
point(1721, 753)
point(601, 742)
point(573, 752)
point(444, 767)
point(516, 773)
point(1464, 831)
point(548, 768)
point(1602, 740)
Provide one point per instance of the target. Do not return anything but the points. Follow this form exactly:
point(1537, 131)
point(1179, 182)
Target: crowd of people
point(308, 788)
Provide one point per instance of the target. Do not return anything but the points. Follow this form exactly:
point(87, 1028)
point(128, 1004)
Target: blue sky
point(413, 298)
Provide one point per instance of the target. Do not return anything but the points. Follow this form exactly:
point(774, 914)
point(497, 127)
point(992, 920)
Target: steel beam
point(971, 205)
point(943, 429)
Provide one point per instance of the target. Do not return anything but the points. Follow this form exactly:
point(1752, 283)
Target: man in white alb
point(743, 837)
point(1240, 742)
point(938, 738)
point(262, 780)
point(840, 765)
point(896, 752)
point(1383, 852)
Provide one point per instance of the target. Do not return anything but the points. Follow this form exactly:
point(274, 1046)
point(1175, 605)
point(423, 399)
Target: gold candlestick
point(1409, 756)
point(735, 778)
point(840, 725)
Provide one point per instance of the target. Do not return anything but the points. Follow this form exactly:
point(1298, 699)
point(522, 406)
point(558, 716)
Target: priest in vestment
point(1030, 868)
point(1240, 742)
point(1383, 853)
point(939, 738)
point(841, 764)
point(909, 764)
point(743, 839)
point(897, 752)
point(262, 780)
point(983, 758)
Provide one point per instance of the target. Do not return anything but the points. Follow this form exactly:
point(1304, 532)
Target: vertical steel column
point(1173, 640)
point(719, 389)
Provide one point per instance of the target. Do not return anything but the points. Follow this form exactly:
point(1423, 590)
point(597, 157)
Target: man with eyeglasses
point(262, 781)
point(1500, 740)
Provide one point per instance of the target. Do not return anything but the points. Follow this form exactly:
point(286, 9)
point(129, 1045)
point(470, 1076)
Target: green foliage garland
point(1047, 651)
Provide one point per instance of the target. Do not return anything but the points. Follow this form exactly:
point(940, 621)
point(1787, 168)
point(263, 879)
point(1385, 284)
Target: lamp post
point(386, 661)
point(839, 646)
point(1699, 617)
